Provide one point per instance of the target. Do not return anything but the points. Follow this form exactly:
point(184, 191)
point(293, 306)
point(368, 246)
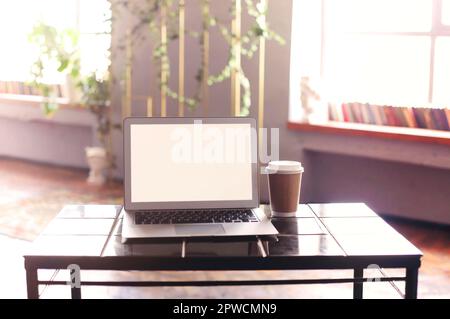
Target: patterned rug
point(32, 194)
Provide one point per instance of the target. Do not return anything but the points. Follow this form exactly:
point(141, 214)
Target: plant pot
point(98, 162)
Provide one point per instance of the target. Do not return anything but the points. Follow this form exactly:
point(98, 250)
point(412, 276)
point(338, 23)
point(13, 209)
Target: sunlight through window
point(90, 17)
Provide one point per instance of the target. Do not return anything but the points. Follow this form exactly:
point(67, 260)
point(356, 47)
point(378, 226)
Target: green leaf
point(63, 65)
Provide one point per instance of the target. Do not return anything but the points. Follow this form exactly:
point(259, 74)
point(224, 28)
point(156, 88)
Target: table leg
point(411, 283)
point(32, 283)
point(75, 293)
point(358, 286)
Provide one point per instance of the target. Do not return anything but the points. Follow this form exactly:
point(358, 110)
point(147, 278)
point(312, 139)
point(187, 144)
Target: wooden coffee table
point(322, 236)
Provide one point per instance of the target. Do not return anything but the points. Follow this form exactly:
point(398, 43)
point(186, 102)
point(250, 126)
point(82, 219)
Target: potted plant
point(59, 53)
point(95, 96)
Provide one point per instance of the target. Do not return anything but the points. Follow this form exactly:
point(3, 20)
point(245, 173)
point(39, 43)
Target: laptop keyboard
point(196, 216)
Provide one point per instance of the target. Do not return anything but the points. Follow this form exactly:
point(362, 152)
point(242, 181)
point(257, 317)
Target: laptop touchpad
point(199, 229)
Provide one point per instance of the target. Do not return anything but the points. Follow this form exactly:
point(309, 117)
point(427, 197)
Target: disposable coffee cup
point(284, 179)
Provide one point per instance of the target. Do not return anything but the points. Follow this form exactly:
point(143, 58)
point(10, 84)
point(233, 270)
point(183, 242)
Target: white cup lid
point(284, 167)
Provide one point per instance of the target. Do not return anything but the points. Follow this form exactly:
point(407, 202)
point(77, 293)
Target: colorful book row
point(16, 87)
point(418, 117)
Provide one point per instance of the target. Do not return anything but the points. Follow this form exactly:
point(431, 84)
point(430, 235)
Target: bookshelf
point(425, 116)
point(375, 131)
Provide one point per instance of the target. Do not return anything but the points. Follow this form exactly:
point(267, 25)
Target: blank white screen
point(190, 162)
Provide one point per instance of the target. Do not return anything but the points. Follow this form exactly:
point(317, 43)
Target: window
point(387, 52)
point(89, 17)
point(394, 52)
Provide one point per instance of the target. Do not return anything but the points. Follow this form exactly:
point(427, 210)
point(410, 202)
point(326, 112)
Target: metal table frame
point(358, 264)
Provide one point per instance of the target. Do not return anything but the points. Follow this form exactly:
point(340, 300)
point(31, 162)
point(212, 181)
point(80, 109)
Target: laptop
point(191, 177)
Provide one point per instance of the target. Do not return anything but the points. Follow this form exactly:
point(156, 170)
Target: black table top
point(319, 233)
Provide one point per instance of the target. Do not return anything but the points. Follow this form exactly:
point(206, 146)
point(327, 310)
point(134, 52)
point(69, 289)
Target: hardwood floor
point(434, 241)
point(31, 194)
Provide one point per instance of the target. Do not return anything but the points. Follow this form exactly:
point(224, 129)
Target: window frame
point(20, 106)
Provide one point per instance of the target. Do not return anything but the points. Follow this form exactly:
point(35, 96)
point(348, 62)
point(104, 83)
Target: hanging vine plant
point(149, 20)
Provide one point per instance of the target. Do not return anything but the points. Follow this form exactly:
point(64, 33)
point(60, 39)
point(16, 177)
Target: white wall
point(26, 133)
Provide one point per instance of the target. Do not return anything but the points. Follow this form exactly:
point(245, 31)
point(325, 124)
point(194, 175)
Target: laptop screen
point(191, 162)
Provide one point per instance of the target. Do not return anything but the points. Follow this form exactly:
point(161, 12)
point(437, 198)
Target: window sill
point(376, 131)
point(34, 100)
point(28, 108)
